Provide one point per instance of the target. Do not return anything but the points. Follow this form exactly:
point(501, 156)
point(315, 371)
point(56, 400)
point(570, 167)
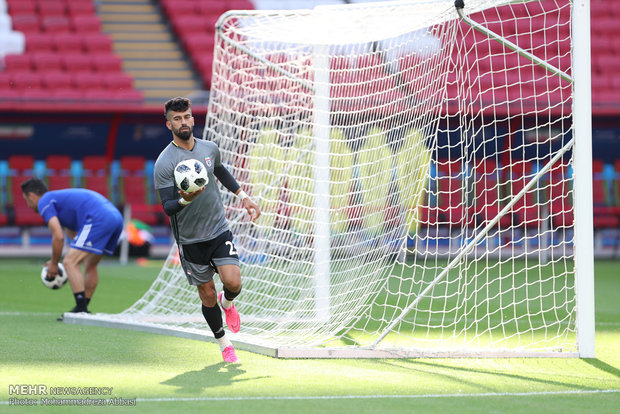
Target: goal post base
point(109, 321)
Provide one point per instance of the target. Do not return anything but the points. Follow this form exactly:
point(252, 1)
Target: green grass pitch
point(168, 374)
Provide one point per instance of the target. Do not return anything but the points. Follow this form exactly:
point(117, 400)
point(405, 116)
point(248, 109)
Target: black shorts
point(200, 260)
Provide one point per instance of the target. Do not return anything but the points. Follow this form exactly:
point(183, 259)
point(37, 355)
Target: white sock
point(225, 302)
point(224, 342)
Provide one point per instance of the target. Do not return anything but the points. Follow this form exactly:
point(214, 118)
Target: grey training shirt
point(204, 218)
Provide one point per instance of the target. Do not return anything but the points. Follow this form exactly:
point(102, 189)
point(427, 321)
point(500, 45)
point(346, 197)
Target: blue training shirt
point(75, 206)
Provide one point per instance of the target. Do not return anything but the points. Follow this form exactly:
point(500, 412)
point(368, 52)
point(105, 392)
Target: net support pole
point(321, 182)
point(507, 43)
point(582, 158)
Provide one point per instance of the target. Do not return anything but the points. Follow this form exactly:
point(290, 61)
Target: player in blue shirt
point(92, 222)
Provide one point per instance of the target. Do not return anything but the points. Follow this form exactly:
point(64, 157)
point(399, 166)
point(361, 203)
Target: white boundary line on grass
point(369, 397)
point(379, 396)
point(19, 313)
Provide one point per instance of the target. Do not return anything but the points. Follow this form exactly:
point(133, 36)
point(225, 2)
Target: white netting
point(382, 142)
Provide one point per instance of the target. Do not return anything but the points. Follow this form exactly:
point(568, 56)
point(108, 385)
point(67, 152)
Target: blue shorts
point(99, 236)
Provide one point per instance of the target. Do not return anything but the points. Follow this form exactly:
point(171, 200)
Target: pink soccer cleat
point(229, 354)
point(232, 316)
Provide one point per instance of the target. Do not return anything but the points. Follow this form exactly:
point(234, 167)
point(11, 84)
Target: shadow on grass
point(216, 375)
point(603, 366)
point(450, 373)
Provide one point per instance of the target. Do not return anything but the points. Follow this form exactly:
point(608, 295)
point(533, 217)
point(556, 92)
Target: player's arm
point(172, 203)
point(233, 186)
point(58, 243)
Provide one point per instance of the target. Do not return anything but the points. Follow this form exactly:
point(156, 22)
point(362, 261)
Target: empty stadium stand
point(139, 53)
point(62, 37)
point(193, 22)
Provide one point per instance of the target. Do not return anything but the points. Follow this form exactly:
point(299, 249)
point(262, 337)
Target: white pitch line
point(380, 396)
point(27, 313)
point(18, 313)
point(367, 397)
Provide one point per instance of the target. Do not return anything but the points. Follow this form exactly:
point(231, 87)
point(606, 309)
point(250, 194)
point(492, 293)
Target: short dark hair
point(34, 185)
point(177, 104)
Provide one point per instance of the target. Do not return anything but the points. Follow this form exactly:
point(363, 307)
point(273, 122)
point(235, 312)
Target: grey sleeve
point(226, 178)
point(170, 201)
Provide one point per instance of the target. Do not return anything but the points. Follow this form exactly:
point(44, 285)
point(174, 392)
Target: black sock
point(230, 295)
point(213, 316)
point(80, 301)
point(87, 301)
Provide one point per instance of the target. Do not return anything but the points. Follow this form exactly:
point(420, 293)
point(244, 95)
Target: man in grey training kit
point(199, 224)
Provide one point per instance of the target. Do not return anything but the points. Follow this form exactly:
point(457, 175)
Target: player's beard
point(184, 134)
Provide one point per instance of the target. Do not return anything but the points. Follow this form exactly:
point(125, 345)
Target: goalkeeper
point(199, 224)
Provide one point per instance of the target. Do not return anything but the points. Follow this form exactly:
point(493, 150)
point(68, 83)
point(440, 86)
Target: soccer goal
point(424, 173)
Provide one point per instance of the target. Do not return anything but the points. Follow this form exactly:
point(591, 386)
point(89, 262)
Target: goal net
point(414, 168)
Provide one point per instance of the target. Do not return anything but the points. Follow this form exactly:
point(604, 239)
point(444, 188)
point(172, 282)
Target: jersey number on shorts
point(232, 251)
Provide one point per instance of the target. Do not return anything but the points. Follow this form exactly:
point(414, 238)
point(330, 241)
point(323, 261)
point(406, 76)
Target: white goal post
point(424, 172)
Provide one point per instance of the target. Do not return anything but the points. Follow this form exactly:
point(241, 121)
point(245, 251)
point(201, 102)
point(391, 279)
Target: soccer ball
point(59, 281)
point(190, 175)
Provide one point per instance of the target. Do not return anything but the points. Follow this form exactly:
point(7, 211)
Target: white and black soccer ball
point(59, 281)
point(190, 175)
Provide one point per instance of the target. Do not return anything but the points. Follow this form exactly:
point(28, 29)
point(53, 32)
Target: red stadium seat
point(22, 168)
point(39, 42)
point(38, 95)
point(57, 80)
point(55, 24)
point(17, 7)
point(487, 184)
point(117, 81)
point(133, 180)
point(240, 5)
point(85, 23)
point(129, 97)
point(99, 97)
point(525, 212)
point(51, 8)
point(450, 193)
point(6, 81)
point(87, 81)
point(68, 96)
point(97, 43)
point(180, 8)
point(17, 63)
point(27, 80)
point(604, 212)
point(58, 172)
point(96, 172)
point(67, 43)
point(107, 62)
point(133, 185)
point(77, 62)
point(559, 194)
point(191, 25)
point(211, 8)
point(26, 23)
point(46, 61)
point(77, 7)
